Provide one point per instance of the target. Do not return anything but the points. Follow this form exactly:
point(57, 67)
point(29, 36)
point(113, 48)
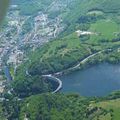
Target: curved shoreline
point(53, 76)
point(68, 70)
point(71, 69)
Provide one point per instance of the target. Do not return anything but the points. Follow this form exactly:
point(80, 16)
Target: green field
point(65, 52)
point(58, 55)
point(112, 107)
point(105, 30)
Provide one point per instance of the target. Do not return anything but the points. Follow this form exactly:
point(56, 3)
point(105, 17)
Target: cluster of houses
point(11, 37)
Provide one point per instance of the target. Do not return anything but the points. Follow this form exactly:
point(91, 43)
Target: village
point(13, 40)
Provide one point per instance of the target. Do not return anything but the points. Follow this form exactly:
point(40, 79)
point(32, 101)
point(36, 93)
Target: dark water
point(7, 73)
point(98, 80)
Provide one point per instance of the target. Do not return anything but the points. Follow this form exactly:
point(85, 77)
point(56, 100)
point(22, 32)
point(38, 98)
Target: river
point(98, 80)
point(7, 73)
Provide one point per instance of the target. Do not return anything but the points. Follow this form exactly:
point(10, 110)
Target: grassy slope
point(86, 5)
point(67, 51)
point(55, 55)
point(106, 29)
point(107, 7)
point(58, 55)
point(111, 105)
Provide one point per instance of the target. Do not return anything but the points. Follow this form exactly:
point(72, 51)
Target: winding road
point(53, 76)
point(81, 62)
point(55, 79)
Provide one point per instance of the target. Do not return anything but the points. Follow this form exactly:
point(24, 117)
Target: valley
point(61, 60)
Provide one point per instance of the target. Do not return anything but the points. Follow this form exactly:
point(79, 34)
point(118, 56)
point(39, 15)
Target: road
point(69, 69)
point(81, 62)
point(55, 79)
point(53, 76)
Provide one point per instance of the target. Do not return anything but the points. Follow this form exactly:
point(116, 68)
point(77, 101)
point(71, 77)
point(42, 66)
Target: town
point(24, 33)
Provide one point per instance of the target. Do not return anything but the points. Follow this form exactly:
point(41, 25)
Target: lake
point(98, 80)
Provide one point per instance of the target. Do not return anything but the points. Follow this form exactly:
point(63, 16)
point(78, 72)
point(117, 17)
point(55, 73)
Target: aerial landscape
point(60, 60)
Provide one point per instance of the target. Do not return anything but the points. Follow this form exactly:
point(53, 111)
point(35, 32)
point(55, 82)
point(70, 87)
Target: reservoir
point(98, 80)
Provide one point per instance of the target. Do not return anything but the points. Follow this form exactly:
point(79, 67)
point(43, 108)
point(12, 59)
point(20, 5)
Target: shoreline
point(55, 76)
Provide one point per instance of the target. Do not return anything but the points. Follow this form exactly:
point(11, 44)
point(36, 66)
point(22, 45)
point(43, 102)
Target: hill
point(92, 26)
point(65, 107)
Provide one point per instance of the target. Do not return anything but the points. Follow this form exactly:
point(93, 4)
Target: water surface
point(98, 80)
point(7, 73)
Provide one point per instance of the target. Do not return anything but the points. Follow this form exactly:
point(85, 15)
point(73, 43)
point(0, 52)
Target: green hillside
point(58, 55)
point(108, 9)
point(54, 107)
point(91, 26)
point(69, 107)
point(112, 108)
